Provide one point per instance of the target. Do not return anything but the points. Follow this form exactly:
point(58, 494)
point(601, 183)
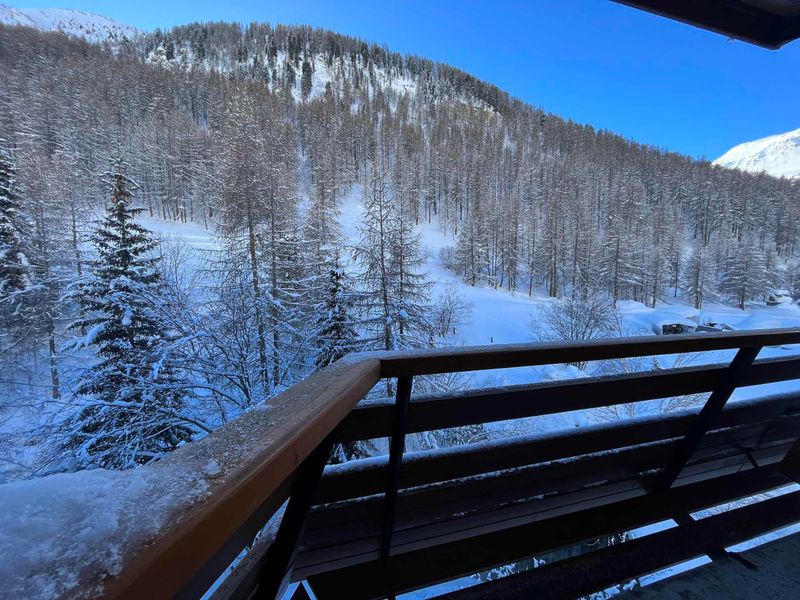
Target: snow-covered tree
point(576, 319)
point(746, 274)
point(28, 287)
point(15, 271)
point(450, 311)
point(258, 230)
point(132, 399)
point(336, 334)
point(394, 291)
point(698, 276)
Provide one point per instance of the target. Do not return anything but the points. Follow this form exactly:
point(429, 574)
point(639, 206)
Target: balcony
point(273, 512)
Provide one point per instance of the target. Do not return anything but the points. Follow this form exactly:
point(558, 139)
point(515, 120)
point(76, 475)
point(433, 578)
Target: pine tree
point(258, 225)
point(336, 331)
point(336, 336)
point(306, 79)
point(698, 277)
point(746, 275)
point(410, 288)
point(133, 404)
point(15, 272)
point(394, 291)
point(21, 314)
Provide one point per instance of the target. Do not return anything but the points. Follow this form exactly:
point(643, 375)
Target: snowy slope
point(777, 155)
point(93, 28)
point(503, 317)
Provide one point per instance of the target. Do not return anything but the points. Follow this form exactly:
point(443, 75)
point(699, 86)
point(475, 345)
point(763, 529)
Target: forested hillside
point(257, 134)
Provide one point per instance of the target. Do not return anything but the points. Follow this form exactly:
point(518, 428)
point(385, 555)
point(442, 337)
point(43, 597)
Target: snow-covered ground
point(502, 317)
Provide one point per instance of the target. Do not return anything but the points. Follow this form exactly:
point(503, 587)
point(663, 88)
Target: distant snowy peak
point(93, 28)
point(777, 155)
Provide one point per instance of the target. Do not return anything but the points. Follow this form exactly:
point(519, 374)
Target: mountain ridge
point(76, 23)
point(777, 155)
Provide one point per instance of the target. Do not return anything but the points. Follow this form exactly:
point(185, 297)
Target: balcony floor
point(777, 576)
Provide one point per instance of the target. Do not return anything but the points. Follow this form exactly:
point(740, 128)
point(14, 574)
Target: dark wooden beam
point(396, 449)
point(420, 568)
point(735, 374)
point(479, 358)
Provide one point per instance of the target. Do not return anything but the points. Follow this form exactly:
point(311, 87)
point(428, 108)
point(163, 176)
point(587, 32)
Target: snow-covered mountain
point(778, 155)
point(93, 28)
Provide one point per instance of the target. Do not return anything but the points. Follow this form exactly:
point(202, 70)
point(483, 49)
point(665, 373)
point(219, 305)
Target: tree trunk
point(262, 345)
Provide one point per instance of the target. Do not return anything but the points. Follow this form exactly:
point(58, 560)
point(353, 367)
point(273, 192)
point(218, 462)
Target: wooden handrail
point(479, 358)
point(256, 454)
point(259, 453)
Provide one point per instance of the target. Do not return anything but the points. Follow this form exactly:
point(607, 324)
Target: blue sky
point(594, 61)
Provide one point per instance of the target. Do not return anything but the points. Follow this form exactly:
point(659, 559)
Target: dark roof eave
point(751, 21)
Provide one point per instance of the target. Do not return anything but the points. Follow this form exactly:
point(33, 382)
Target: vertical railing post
point(734, 376)
point(396, 449)
point(279, 558)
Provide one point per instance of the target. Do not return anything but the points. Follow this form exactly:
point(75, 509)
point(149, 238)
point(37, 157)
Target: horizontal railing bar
point(341, 482)
point(423, 567)
point(479, 358)
point(373, 420)
point(558, 476)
